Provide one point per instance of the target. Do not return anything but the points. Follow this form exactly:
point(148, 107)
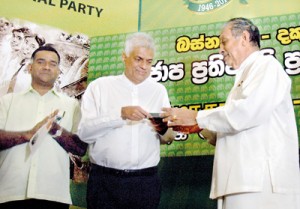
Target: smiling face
point(231, 47)
point(138, 64)
point(44, 69)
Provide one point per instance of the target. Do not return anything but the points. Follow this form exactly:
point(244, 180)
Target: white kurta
point(114, 142)
point(256, 130)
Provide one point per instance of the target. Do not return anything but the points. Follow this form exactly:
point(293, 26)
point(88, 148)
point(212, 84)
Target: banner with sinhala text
point(187, 59)
point(90, 34)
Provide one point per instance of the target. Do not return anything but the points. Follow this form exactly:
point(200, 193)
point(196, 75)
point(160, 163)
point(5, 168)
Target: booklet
point(38, 138)
point(156, 115)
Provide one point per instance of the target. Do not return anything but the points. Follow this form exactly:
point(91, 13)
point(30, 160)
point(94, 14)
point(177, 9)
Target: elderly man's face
point(230, 47)
point(138, 64)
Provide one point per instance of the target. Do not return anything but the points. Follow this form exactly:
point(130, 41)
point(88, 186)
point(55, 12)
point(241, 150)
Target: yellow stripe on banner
point(296, 101)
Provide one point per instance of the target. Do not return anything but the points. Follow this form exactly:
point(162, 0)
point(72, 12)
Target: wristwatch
point(57, 133)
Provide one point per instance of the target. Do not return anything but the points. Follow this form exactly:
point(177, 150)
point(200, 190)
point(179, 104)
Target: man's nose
point(144, 64)
point(221, 50)
point(47, 65)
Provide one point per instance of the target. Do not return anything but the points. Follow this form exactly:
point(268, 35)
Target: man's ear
point(58, 72)
point(245, 37)
point(124, 56)
point(29, 67)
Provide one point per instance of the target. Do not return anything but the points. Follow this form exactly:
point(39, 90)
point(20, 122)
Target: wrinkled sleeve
point(93, 123)
point(251, 103)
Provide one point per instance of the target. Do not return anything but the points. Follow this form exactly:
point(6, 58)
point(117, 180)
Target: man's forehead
point(226, 31)
point(142, 52)
point(46, 55)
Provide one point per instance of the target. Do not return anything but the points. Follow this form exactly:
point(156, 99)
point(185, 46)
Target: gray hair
point(138, 39)
point(240, 24)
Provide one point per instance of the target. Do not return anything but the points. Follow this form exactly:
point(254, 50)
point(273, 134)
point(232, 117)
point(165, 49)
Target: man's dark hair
point(24, 30)
point(47, 47)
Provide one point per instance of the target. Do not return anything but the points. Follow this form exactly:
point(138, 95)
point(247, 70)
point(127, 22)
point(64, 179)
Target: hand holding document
point(159, 125)
point(181, 120)
point(43, 129)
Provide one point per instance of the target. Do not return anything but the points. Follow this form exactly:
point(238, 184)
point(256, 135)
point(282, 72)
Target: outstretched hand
point(181, 120)
point(179, 116)
point(159, 125)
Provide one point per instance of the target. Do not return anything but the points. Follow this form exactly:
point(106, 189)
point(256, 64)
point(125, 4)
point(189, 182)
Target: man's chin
point(228, 63)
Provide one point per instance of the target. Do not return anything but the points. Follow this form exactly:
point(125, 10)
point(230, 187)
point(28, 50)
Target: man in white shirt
point(39, 177)
point(256, 161)
point(124, 146)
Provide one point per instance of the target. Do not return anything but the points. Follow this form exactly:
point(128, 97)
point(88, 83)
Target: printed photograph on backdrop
point(18, 40)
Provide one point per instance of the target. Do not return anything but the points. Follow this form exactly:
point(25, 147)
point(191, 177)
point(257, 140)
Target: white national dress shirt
point(44, 175)
point(256, 129)
point(114, 142)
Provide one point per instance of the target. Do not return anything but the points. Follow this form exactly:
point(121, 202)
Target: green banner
point(195, 75)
